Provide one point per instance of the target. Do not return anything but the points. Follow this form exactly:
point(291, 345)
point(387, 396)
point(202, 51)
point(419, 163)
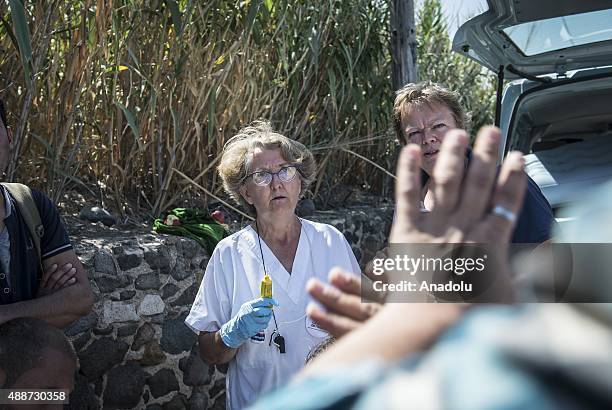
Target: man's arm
point(61, 307)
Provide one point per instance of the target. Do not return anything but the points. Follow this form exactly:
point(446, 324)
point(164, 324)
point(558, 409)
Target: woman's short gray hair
point(238, 153)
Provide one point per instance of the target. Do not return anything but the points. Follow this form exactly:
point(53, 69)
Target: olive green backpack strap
point(22, 195)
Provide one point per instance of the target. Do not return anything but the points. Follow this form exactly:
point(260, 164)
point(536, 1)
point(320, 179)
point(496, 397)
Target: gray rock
point(103, 331)
point(126, 280)
point(154, 407)
point(187, 248)
point(127, 294)
point(371, 244)
point(104, 262)
point(195, 371)
point(153, 355)
point(96, 214)
point(127, 330)
point(199, 275)
point(162, 383)
point(222, 368)
point(87, 260)
point(83, 396)
point(129, 259)
point(117, 312)
point(80, 342)
point(158, 258)
point(305, 208)
point(107, 284)
point(169, 290)
point(81, 325)
point(151, 305)
point(180, 272)
point(176, 336)
point(198, 400)
point(158, 319)
point(187, 297)
point(100, 356)
point(219, 404)
point(144, 335)
point(179, 402)
point(217, 388)
point(148, 281)
point(99, 387)
point(118, 249)
point(124, 386)
point(196, 262)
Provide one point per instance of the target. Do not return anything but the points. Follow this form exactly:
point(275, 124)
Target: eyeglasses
point(263, 178)
point(417, 135)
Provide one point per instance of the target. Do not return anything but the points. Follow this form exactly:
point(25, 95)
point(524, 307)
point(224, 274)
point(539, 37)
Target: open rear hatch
point(532, 38)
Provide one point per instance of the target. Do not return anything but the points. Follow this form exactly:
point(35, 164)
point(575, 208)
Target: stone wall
point(134, 349)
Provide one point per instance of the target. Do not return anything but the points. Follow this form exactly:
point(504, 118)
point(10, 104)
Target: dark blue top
point(536, 219)
point(23, 279)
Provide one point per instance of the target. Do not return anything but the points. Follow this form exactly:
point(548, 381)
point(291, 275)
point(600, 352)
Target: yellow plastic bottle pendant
point(266, 292)
point(266, 287)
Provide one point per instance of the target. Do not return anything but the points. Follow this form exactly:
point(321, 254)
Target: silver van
point(557, 107)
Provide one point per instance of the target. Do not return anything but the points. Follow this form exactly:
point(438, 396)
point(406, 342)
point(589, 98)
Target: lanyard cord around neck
point(264, 267)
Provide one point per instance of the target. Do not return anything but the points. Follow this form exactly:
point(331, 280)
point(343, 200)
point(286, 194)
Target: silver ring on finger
point(503, 212)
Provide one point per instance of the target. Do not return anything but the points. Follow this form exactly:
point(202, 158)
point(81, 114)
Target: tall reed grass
point(133, 100)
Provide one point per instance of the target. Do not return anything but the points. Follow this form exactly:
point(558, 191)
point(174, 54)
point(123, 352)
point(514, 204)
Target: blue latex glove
point(252, 317)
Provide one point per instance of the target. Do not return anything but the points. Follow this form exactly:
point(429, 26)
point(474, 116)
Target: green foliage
point(132, 90)
point(132, 94)
point(22, 36)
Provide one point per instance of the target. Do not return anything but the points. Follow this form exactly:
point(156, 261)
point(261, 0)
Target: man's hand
point(56, 278)
point(477, 209)
point(461, 214)
point(342, 300)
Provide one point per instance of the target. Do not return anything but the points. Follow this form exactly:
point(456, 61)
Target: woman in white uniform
point(267, 340)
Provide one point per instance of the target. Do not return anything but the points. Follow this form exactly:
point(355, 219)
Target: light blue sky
point(458, 11)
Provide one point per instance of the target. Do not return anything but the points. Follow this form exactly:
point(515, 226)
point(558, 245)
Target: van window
point(537, 37)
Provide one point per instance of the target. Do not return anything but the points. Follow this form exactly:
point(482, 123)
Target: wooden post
point(403, 43)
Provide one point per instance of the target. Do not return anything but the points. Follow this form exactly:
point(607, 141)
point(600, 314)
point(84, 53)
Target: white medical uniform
point(233, 276)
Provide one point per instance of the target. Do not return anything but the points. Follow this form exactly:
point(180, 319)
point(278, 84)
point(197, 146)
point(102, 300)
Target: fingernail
point(314, 285)
point(341, 276)
point(462, 138)
point(413, 151)
point(312, 308)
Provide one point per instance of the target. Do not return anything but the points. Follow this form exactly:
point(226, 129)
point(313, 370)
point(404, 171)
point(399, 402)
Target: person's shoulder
point(41, 198)
point(230, 242)
point(37, 194)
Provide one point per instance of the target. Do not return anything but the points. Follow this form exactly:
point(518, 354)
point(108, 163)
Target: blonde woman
point(266, 173)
